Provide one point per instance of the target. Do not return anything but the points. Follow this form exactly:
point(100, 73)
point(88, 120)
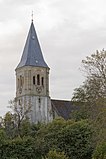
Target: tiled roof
point(63, 108)
point(32, 54)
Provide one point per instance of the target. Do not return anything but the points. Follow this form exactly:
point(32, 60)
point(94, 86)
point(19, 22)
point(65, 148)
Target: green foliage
point(22, 148)
point(56, 155)
point(78, 115)
point(3, 137)
point(76, 140)
point(93, 90)
point(9, 124)
point(20, 113)
point(73, 138)
point(91, 96)
point(95, 68)
point(3, 140)
point(25, 128)
point(100, 152)
point(47, 136)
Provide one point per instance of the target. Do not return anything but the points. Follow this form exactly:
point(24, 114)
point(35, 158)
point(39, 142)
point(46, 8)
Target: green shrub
point(100, 151)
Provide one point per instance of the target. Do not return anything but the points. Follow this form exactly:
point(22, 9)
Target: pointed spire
point(32, 54)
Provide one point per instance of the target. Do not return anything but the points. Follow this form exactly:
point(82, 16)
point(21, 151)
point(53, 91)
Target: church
point(32, 84)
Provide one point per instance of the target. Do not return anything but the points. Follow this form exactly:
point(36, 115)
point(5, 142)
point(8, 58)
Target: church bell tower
point(32, 81)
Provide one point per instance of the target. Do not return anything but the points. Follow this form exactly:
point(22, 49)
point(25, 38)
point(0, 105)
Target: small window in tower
point(19, 102)
point(39, 100)
point(21, 82)
point(38, 79)
point(42, 81)
point(34, 80)
point(18, 82)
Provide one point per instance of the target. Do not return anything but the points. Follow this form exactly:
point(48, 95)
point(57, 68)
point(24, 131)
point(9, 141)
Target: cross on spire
point(32, 15)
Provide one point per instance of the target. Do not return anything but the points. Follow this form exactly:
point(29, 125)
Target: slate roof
point(32, 54)
point(63, 108)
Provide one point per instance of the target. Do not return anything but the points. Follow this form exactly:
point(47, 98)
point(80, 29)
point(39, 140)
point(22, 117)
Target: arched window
point(39, 100)
point(18, 83)
point(42, 81)
point(19, 102)
point(38, 79)
point(34, 80)
point(21, 82)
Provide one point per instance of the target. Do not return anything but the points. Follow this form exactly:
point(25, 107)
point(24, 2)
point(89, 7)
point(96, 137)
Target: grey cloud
point(19, 2)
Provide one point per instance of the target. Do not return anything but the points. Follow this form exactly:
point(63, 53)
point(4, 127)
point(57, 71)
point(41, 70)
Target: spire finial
point(32, 15)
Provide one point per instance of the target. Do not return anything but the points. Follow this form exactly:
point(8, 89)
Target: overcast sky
point(68, 31)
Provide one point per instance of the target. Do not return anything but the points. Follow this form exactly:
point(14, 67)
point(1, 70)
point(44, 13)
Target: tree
point(22, 148)
point(73, 138)
point(95, 68)
point(20, 112)
point(3, 139)
point(50, 141)
point(89, 100)
point(25, 128)
point(92, 94)
point(76, 140)
point(47, 136)
point(8, 124)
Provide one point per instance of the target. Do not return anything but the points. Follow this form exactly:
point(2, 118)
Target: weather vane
point(32, 16)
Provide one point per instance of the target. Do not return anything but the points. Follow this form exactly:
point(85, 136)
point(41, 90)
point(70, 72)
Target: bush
point(56, 155)
point(100, 151)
